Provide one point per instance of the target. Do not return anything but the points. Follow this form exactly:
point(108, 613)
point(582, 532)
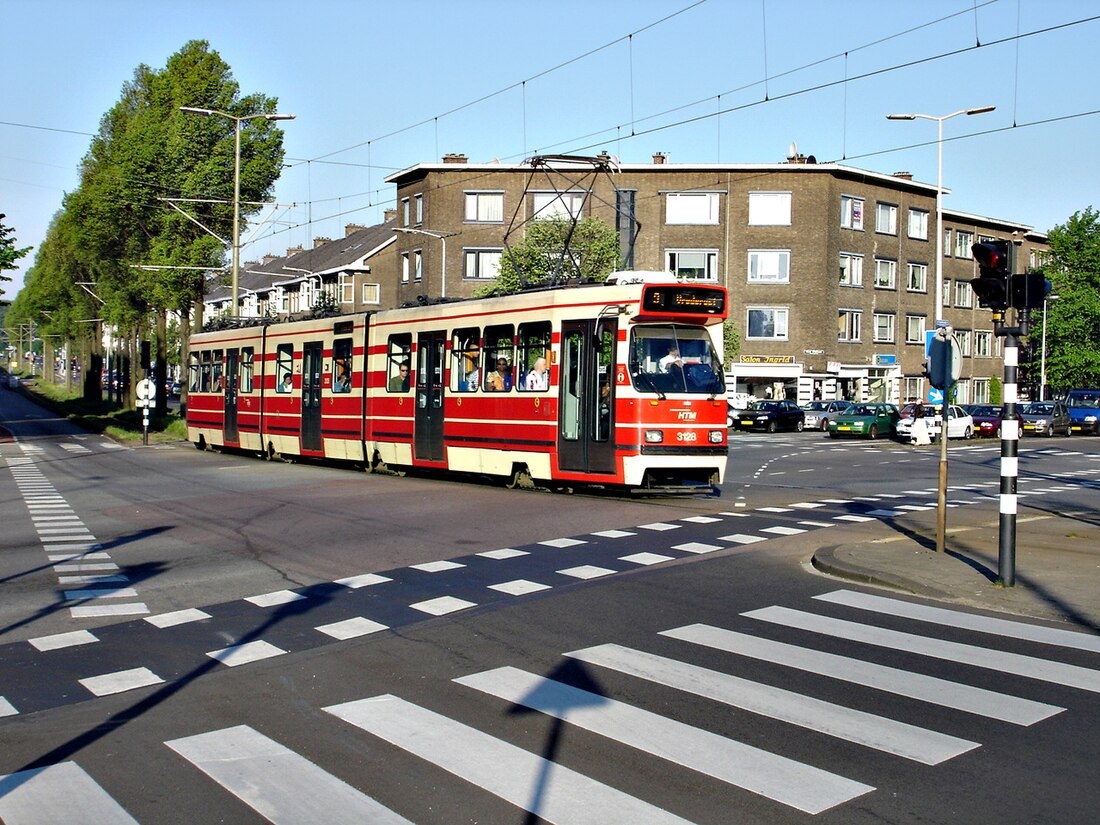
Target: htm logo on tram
point(685, 415)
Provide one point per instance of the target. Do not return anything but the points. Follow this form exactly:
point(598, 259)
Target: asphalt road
point(311, 644)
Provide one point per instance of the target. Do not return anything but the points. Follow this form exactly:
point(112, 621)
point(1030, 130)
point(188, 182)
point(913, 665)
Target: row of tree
point(118, 254)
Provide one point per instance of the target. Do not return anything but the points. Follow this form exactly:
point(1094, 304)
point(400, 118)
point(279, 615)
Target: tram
point(617, 384)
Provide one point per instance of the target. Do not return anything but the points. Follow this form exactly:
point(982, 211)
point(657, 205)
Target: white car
point(960, 424)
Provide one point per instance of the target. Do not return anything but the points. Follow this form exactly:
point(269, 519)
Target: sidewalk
point(1057, 566)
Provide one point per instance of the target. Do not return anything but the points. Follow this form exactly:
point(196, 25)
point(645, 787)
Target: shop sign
point(767, 359)
point(885, 360)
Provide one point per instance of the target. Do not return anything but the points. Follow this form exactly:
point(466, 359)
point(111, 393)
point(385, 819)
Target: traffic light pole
point(1010, 440)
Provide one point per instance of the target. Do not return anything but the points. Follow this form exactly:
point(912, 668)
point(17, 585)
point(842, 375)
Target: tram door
point(312, 357)
point(232, 378)
point(586, 402)
point(428, 441)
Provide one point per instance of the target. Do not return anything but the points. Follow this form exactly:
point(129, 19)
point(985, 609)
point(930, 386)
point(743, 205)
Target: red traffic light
point(994, 258)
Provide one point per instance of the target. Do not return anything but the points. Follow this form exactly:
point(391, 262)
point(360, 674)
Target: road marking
point(177, 617)
point(519, 587)
point(91, 611)
point(563, 542)
point(852, 518)
point(817, 523)
point(442, 605)
point(659, 526)
point(437, 566)
point(62, 640)
point(645, 558)
point(783, 531)
point(701, 519)
point(505, 553)
point(742, 538)
point(55, 794)
point(775, 777)
point(243, 654)
point(614, 534)
point(697, 547)
point(586, 571)
point(879, 733)
point(105, 593)
point(773, 509)
point(1013, 663)
point(121, 681)
point(363, 580)
point(554, 792)
point(351, 628)
point(930, 689)
point(279, 784)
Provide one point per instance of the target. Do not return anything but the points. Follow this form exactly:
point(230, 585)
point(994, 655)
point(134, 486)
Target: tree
point(555, 249)
point(1073, 320)
point(8, 253)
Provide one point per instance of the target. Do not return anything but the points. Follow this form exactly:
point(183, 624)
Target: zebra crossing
point(513, 762)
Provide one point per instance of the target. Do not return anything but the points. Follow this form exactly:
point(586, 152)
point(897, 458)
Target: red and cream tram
point(617, 384)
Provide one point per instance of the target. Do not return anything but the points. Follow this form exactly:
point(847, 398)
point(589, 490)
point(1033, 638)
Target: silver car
point(820, 413)
point(1045, 418)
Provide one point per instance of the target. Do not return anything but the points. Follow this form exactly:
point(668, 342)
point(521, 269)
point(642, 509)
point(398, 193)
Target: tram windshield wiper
point(649, 380)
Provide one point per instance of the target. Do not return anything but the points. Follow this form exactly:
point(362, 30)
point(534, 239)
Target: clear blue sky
point(359, 74)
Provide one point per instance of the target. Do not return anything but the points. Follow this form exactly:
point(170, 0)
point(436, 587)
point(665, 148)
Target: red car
point(987, 419)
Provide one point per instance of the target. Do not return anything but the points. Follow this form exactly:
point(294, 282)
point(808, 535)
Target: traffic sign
point(146, 392)
point(935, 396)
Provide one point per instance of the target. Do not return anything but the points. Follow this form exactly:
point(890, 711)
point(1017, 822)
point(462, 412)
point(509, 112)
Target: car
point(987, 419)
point(1084, 411)
point(959, 422)
point(1047, 418)
point(736, 403)
point(820, 413)
point(772, 416)
point(870, 420)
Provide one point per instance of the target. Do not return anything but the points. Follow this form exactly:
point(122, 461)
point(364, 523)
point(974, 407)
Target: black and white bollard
point(1010, 467)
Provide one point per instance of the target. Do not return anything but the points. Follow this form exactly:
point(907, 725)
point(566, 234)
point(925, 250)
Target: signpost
point(944, 368)
point(146, 396)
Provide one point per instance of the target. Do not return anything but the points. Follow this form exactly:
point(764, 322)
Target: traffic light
point(1029, 290)
point(994, 267)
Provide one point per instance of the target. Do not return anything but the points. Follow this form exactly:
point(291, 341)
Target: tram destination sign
point(691, 300)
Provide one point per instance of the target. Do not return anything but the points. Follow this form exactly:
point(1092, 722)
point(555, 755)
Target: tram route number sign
point(146, 392)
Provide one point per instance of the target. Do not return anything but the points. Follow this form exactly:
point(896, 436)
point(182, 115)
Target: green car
point(870, 420)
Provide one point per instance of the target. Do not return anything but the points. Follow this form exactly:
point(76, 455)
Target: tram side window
point(466, 355)
point(247, 355)
point(204, 374)
point(193, 381)
point(216, 382)
point(499, 358)
point(341, 365)
point(534, 357)
point(284, 368)
point(398, 362)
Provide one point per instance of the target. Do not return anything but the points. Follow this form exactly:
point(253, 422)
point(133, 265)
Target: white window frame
point(404, 211)
point(347, 288)
point(405, 267)
point(851, 217)
point(557, 205)
point(484, 207)
point(963, 241)
point(918, 224)
point(947, 242)
point(980, 390)
point(691, 208)
point(769, 208)
point(890, 211)
point(964, 337)
point(372, 294)
point(419, 200)
point(914, 328)
point(884, 331)
point(983, 344)
point(851, 269)
point(849, 327)
point(485, 266)
point(964, 293)
point(710, 263)
point(780, 323)
point(916, 277)
point(418, 265)
point(886, 273)
point(914, 389)
point(761, 269)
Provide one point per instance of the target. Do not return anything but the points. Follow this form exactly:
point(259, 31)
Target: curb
point(835, 561)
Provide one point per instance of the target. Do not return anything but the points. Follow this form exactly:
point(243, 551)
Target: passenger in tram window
point(343, 379)
point(287, 384)
point(538, 378)
point(471, 379)
point(501, 379)
point(400, 381)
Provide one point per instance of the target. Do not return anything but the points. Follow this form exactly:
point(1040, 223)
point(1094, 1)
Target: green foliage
point(1073, 320)
point(731, 342)
point(553, 249)
point(8, 252)
point(324, 304)
point(996, 390)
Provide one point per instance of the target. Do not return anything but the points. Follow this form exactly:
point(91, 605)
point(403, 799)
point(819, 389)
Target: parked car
point(736, 403)
point(1045, 418)
point(959, 422)
point(771, 416)
point(870, 420)
point(1084, 411)
point(987, 419)
point(820, 413)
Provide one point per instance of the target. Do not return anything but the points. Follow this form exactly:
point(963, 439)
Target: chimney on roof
point(319, 242)
point(455, 158)
point(389, 215)
point(659, 158)
point(904, 175)
point(352, 227)
point(269, 258)
point(294, 250)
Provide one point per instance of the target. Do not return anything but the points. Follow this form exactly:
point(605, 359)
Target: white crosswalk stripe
point(55, 794)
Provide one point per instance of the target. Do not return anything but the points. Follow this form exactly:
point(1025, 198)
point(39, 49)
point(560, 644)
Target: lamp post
point(939, 188)
point(237, 121)
point(442, 236)
point(1043, 351)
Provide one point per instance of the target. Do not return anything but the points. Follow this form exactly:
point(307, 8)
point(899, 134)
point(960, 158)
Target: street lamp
point(1043, 351)
point(236, 181)
point(939, 188)
point(442, 236)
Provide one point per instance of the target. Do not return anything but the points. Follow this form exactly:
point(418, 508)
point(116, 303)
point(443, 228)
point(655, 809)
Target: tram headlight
point(715, 436)
point(654, 436)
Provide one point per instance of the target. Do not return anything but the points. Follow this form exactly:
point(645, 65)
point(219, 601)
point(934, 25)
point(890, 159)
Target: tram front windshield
point(674, 358)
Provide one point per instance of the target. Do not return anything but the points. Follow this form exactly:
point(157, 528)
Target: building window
point(886, 218)
point(980, 390)
point(914, 389)
point(418, 265)
point(964, 293)
point(769, 208)
point(347, 288)
point(851, 212)
point(691, 208)
point(372, 293)
point(557, 204)
point(405, 267)
point(769, 266)
point(404, 211)
point(886, 274)
point(851, 269)
point(963, 336)
point(914, 329)
point(849, 324)
point(693, 264)
point(626, 225)
point(917, 280)
point(947, 243)
point(485, 207)
point(963, 242)
point(983, 344)
point(419, 199)
point(918, 224)
point(884, 327)
point(962, 391)
point(768, 323)
point(481, 264)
